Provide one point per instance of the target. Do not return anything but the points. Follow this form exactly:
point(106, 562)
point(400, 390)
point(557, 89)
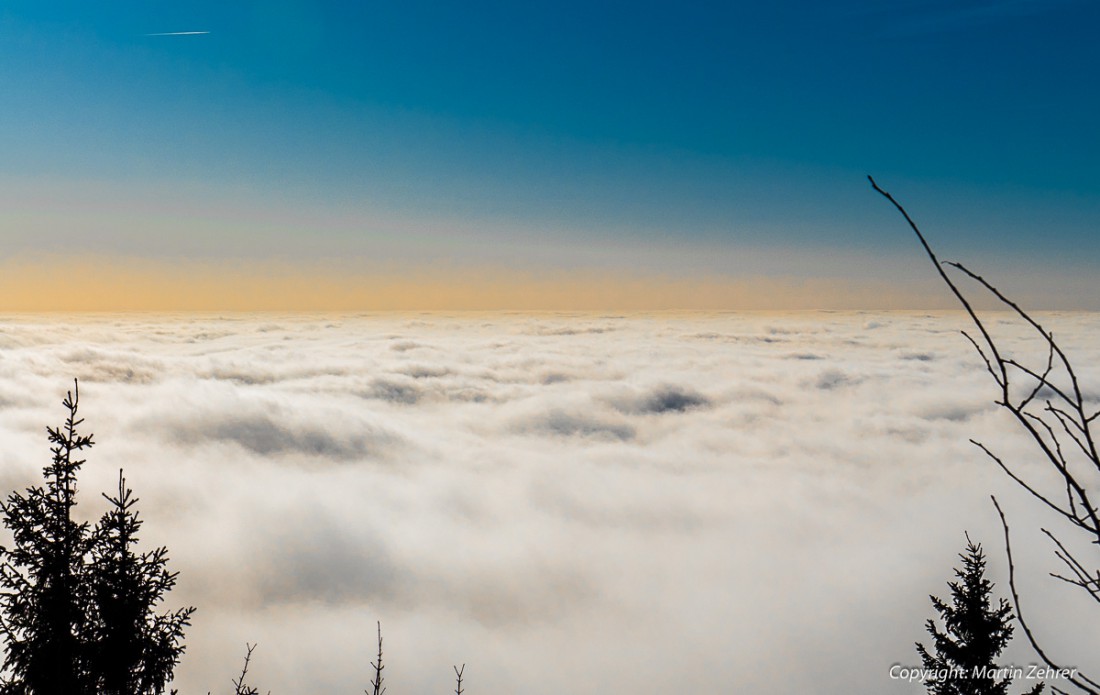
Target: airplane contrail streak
point(180, 33)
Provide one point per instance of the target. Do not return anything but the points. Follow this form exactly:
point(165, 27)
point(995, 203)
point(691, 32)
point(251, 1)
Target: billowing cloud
point(567, 503)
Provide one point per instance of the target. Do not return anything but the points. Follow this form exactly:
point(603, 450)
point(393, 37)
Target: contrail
point(180, 33)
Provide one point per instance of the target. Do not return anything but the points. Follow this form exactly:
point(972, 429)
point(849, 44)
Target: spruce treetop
point(975, 632)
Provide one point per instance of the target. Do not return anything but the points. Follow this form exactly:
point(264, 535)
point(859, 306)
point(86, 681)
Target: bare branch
point(1040, 381)
point(1066, 407)
point(238, 683)
point(981, 353)
point(458, 679)
point(1084, 580)
point(377, 682)
point(1065, 420)
point(1049, 337)
point(1024, 484)
point(947, 280)
point(1080, 680)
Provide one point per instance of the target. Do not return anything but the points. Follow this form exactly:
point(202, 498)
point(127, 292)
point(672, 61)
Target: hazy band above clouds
point(110, 284)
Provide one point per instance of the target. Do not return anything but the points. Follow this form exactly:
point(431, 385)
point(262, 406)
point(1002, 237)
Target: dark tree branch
point(946, 279)
point(1090, 584)
point(1060, 428)
point(1080, 680)
point(379, 689)
point(239, 682)
point(458, 679)
point(1022, 483)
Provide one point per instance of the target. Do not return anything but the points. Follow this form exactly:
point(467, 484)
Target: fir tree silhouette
point(76, 603)
point(975, 633)
point(44, 598)
point(134, 649)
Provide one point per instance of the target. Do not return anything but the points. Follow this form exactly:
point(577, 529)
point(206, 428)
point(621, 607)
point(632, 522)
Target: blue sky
point(671, 138)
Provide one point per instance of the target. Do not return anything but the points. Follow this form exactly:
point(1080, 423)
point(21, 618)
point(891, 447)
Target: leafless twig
point(1053, 412)
point(238, 683)
point(1082, 681)
point(458, 679)
point(377, 682)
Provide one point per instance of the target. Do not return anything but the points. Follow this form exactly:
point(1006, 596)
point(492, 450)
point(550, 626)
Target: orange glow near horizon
point(106, 284)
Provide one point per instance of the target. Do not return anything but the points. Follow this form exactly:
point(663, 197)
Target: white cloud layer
point(565, 503)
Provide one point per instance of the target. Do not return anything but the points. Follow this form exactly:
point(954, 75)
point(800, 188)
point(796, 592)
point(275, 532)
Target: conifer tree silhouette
point(76, 602)
point(975, 633)
point(134, 650)
point(43, 588)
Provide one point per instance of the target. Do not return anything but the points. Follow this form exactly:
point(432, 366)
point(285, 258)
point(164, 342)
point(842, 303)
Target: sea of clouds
point(703, 503)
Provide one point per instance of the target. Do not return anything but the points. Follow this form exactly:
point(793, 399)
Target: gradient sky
point(529, 144)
